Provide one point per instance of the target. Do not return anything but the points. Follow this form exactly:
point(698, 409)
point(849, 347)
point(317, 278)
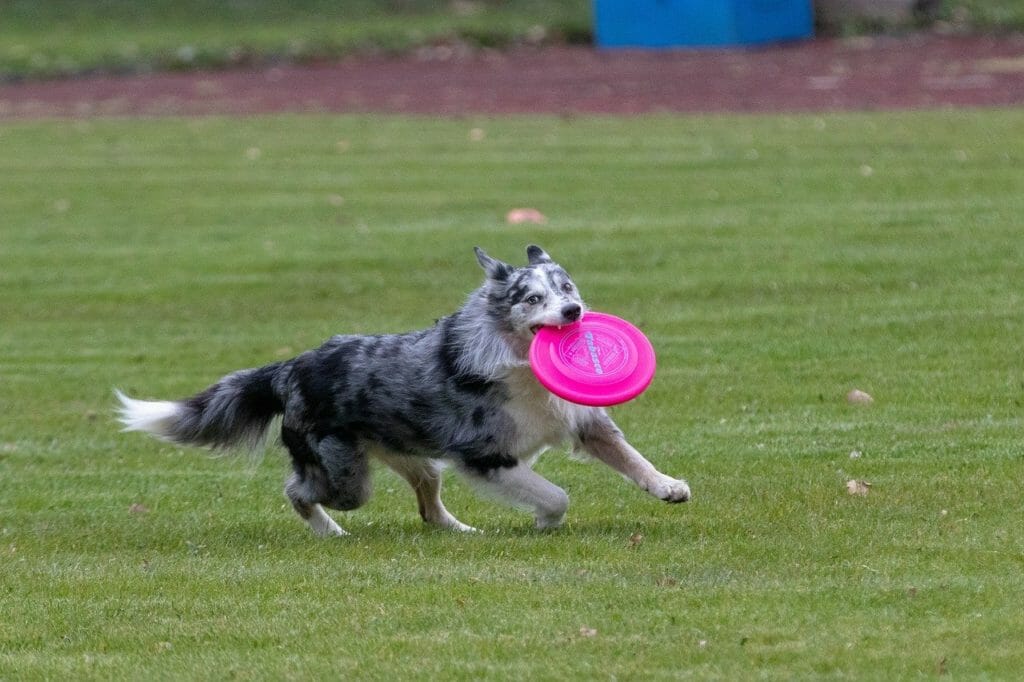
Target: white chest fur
point(542, 419)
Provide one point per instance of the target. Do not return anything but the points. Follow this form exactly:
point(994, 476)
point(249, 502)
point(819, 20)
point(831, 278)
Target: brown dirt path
point(919, 71)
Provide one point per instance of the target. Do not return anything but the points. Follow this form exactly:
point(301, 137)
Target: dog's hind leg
point(522, 487)
point(333, 472)
point(424, 475)
point(299, 494)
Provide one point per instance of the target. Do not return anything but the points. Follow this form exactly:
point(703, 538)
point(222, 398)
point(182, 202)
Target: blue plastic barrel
point(697, 23)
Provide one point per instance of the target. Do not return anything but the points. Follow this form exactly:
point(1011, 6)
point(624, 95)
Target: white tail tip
point(154, 417)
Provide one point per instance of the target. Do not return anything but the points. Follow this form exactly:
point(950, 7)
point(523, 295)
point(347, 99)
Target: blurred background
point(71, 37)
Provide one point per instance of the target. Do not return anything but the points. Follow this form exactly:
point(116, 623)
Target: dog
point(460, 392)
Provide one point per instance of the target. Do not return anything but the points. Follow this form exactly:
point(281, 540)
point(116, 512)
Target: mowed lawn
point(776, 263)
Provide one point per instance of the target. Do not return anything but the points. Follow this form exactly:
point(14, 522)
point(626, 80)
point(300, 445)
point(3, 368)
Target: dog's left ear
point(494, 268)
point(537, 255)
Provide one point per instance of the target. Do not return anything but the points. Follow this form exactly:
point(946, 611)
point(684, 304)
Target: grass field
point(775, 262)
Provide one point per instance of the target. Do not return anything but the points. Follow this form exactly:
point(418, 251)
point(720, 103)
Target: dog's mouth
point(537, 327)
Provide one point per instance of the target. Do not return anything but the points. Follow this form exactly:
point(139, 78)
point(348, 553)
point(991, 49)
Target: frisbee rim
point(573, 384)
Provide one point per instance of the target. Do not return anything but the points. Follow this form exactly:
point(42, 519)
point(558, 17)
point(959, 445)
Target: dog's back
point(407, 393)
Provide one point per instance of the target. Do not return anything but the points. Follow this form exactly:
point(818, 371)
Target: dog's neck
point(484, 348)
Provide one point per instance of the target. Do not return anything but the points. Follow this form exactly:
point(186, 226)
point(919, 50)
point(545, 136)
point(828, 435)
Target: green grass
point(775, 262)
point(65, 37)
point(945, 16)
point(985, 15)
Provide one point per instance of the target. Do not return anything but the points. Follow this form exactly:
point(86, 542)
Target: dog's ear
point(494, 268)
point(537, 255)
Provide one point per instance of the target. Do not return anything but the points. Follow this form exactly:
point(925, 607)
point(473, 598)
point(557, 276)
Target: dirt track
point(923, 71)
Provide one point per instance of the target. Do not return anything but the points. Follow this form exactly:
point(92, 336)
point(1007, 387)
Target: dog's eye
point(567, 287)
point(534, 300)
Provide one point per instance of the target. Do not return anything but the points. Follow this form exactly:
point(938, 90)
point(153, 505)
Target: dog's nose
point(572, 312)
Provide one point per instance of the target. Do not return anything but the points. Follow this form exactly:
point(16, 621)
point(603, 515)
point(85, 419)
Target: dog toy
point(600, 360)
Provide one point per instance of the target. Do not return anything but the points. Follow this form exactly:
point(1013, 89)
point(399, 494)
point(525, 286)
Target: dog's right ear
point(494, 268)
point(537, 255)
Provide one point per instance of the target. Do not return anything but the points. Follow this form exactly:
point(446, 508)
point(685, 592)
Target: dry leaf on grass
point(855, 487)
point(859, 397)
point(518, 216)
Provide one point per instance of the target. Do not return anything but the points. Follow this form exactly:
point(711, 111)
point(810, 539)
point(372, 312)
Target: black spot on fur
point(517, 294)
point(303, 456)
point(471, 383)
point(486, 463)
point(448, 352)
point(412, 428)
point(555, 277)
point(501, 272)
point(259, 396)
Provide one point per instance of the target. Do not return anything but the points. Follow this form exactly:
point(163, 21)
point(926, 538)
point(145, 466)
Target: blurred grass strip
point(67, 37)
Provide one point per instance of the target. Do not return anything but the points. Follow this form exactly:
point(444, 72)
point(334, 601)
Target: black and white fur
point(460, 392)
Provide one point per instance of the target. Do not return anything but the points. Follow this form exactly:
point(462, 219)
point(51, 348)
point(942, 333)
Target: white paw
point(670, 489)
point(452, 523)
point(442, 518)
point(325, 527)
point(337, 532)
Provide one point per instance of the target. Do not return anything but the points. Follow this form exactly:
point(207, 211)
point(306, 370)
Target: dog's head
point(524, 299)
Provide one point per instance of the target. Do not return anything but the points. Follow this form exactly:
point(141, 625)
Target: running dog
point(460, 392)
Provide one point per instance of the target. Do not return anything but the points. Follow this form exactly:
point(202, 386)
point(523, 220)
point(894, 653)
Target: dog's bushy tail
point(234, 411)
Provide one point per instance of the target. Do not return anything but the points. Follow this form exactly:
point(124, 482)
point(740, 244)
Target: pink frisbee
point(599, 361)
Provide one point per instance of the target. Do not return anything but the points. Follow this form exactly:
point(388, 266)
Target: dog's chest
point(541, 419)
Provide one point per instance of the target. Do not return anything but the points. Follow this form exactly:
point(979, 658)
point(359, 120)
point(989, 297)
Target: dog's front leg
point(602, 439)
point(522, 487)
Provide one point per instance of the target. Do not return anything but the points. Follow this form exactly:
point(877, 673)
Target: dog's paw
point(336, 532)
point(461, 527)
point(442, 518)
point(325, 527)
point(548, 522)
point(670, 490)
